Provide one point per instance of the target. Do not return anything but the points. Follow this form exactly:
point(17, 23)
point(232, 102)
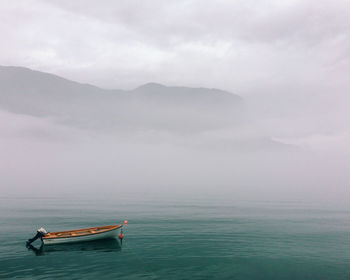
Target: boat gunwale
point(107, 229)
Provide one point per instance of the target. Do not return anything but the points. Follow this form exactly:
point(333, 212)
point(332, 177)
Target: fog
point(232, 100)
point(43, 156)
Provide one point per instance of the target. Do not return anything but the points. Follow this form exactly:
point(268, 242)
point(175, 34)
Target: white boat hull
point(91, 237)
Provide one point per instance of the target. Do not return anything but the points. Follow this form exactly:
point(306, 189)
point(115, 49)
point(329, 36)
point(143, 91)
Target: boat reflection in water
point(104, 245)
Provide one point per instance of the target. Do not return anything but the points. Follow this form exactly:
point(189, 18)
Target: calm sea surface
point(173, 239)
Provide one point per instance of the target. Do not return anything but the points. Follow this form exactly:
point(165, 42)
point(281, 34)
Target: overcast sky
point(243, 46)
point(289, 60)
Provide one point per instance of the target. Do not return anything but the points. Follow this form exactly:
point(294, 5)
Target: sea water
point(169, 238)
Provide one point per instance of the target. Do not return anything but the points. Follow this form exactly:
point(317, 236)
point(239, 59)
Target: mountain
point(36, 93)
point(185, 95)
point(151, 106)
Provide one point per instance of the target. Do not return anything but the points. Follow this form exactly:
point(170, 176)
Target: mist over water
point(219, 129)
point(60, 137)
point(41, 157)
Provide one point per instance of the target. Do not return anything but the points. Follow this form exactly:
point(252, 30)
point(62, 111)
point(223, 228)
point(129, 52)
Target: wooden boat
point(80, 235)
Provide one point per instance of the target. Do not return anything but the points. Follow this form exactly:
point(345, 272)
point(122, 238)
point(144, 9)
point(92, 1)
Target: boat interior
point(80, 232)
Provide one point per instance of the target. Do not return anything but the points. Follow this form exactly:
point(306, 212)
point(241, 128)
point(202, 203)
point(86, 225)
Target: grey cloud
point(191, 20)
point(289, 60)
point(149, 37)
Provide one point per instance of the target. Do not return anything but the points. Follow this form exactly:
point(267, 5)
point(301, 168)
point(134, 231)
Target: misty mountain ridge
point(152, 105)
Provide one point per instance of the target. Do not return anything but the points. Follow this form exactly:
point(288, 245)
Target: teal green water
point(173, 239)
